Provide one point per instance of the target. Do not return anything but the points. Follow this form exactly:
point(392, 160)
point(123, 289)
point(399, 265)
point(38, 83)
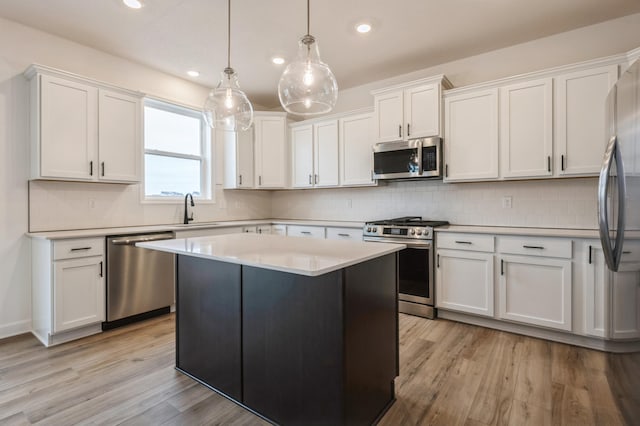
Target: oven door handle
point(419, 246)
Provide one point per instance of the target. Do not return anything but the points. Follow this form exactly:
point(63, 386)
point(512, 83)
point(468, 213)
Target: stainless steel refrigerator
point(619, 224)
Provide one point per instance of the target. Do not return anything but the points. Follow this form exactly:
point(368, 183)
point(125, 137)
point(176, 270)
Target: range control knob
point(413, 231)
point(368, 229)
point(375, 229)
point(419, 232)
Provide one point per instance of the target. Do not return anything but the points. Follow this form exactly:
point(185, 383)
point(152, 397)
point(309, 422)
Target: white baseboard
point(15, 328)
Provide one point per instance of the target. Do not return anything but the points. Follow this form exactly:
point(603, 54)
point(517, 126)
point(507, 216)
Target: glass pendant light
point(307, 86)
point(227, 107)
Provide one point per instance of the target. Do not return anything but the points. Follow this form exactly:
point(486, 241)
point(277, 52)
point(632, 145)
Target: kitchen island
point(298, 331)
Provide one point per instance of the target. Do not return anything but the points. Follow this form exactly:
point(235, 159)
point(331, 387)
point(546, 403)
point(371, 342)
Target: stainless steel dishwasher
point(140, 282)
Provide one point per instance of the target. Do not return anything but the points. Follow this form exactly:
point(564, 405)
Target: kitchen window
point(177, 153)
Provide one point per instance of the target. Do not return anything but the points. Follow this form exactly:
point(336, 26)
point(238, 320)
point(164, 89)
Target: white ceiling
point(177, 35)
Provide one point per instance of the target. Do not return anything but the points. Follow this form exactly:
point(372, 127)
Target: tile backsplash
point(55, 206)
point(556, 203)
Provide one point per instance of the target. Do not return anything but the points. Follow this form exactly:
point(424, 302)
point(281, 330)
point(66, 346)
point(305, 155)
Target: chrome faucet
point(188, 219)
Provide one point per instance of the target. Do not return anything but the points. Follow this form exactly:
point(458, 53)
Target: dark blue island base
point(293, 349)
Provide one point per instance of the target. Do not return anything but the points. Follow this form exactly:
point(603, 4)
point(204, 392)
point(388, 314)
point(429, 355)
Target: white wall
point(60, 205)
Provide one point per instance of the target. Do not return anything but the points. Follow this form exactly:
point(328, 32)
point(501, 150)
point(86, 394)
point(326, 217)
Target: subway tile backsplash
point(557, 203)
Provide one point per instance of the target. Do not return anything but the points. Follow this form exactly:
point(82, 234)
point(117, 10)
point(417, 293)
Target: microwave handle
point(419, 147)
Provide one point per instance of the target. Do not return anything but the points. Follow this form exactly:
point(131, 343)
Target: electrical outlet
point(507, 201)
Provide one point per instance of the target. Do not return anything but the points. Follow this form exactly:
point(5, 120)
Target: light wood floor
point(451, 374)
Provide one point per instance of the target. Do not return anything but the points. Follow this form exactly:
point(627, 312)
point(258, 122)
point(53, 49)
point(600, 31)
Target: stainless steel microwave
point(413, 159)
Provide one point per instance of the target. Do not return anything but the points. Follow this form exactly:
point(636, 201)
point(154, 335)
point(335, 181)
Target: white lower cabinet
point(625, 298)
point(79, 293)
point(535, 290)
point(305, 231)
point(68, 288)
point(344, 234)
point(597, 295)
point(464, 281)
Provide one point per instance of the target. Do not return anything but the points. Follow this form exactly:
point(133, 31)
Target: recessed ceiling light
point(278, 60)
point(133, 4)
point(193, 73)
point(363, 28)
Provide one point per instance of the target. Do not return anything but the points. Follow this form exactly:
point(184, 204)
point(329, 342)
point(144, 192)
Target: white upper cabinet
point(580, 132)
point(82, 130)
point(302, 156)
point(409, 111)
point(325, 135)
point(471, 136)
point(119, 125)
point(271, 150)
point(314, 149)
point(356, 150)
point(238, 158)
point(526, 129)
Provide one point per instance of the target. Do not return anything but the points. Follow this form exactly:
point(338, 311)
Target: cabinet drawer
point(305, 231)
point(344, 234)
point(72, 249)
point(472, 242)
point(631, 252)
point(279, 229)
point(545, 247)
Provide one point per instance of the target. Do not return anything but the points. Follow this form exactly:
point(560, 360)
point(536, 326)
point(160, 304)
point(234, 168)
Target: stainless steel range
point(415, 263)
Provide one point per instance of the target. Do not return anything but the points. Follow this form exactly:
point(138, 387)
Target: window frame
point(206, 157)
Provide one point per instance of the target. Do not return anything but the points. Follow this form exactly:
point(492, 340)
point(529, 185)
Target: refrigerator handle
point(611, 252)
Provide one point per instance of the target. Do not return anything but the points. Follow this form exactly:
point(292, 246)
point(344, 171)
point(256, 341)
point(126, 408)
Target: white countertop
point(295, 255)
point(506, 230)
point(101, 232)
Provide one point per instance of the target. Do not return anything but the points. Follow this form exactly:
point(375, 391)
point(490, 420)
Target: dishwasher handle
point(130, 241)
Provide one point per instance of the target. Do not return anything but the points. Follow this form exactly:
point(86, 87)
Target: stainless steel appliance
point(618, 214)
point(140, 282)
point(413, 159)
point(415, 263)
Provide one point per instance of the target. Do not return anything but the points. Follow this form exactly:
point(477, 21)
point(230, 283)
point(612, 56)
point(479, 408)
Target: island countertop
point(303, 256)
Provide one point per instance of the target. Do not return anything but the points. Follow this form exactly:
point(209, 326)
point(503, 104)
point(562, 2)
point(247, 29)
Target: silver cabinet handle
point(534, 247)
point(305, 232)
point(464, 242)
point(316, 179)
point(626, 252)
point(344, 235)
point(549, 163)
point(310, 180)
point(399, 130)
point(240, 180)
point(81, 248)
point(102, 165)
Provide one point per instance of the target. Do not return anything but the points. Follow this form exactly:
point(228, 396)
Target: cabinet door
point(302, 156)
point(596, 292)
point(271, 168)
point(422, 111)
point(471, 136)
point(238, 157)
point(356, 150)
point(68, 129)
point(389, 119)
point(580, 119)
point(464, 281)
point(354, 234)
point(625, 306)
point(526, 129)
point(79, 293)
point(326, 153)
point(536, 291)
point(119, 137)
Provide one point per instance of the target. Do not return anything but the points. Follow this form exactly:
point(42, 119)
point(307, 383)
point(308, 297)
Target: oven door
point(415, 273)
point(393, 160)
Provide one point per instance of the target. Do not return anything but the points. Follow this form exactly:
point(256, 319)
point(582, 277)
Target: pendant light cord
point(229, 35)
point(308, 20)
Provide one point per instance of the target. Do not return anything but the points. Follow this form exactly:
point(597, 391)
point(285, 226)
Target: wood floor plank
point(450, 374)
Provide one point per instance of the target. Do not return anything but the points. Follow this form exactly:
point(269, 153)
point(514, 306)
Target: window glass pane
point(170, 131)
point(170, 176)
